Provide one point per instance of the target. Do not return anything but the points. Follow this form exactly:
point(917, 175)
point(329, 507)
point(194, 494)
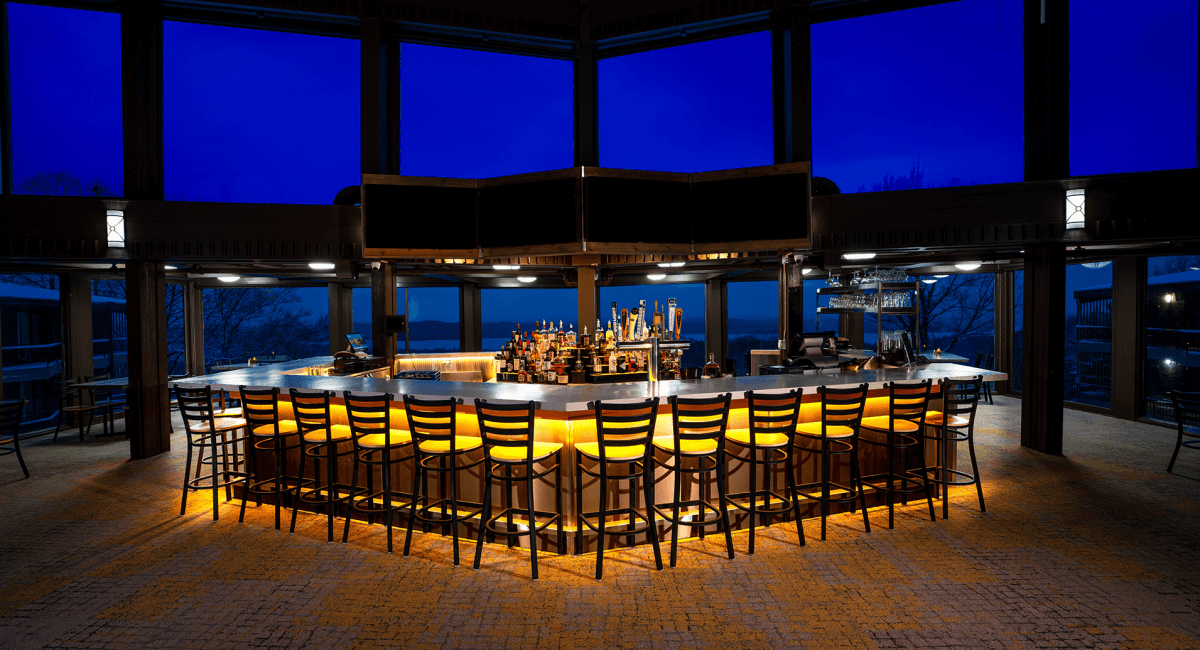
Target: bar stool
point(508, 442)
point(375, 444)
point(432, 423)
point(903, 432)
point(10, 423)
point(772, 420)
point(623, 435)
point(955, 423)
point(320, 440)
point(203, 430)
point(837, 435)
point(1187, 417)
point(269, 434)
point(698, 434)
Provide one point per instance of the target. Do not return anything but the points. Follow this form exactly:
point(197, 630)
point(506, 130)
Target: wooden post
point(383, 303)
point(193, 330)
point(1128, 332)
point(470, 325)
point(587, 297)
point(341, 316)
point(716, 324)
point(148, 419)
point(1045, 322)
point(791, 84)
point(1047, 89)
point(142, 98)
point(587, 140)
point(380, 99)
point(1003, 328)
point(6, 175)
point(75, 299)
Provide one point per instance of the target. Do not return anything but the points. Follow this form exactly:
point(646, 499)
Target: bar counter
point(564, 416)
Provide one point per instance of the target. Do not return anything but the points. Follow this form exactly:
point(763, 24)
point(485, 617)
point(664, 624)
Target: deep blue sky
point(259, 116)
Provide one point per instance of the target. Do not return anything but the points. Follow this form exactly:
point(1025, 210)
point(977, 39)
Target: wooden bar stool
point(375, 444)
point(698, 436)
point(1187, 418)
point(432, 423)
point(269, 434)
point(903, 432)
point(206, 432)
point(321, 439)
point(955, 423)
point(508, 442)
point(10, 423)
point(836, 434)
point(623, 436)
point(768, 441)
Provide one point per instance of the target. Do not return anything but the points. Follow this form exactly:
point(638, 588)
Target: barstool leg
point(925, 477)
point(825, 475)
point(891, 483)
point(418, 491)
point(350, 505)
point(723, 501)
point(856, 480)
point(332, 494)
point(386, 481)
point(187, 473)
point(300, 484)
point(249, 456)
point(212, 439)
point(578, 506)
point(790, 482)
point(277, 483)
point(508, 502)
point(975, 467)
point(486, 514)
point(602, 521)
point(652, 528)
point(944, 465)
point(454, 505)
point(532, 520)
point(561, 540)
point(630, 540)
point(675, 511)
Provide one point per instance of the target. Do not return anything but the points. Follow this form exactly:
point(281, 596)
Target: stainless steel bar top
point(574, 397)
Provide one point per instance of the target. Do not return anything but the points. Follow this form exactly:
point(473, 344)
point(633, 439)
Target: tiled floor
point(1095, 549)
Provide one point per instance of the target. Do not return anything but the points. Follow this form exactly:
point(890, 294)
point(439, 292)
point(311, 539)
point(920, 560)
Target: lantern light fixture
point(1076, 210)
point(115, 225)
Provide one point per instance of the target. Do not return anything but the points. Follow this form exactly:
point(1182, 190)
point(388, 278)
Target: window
point(924, 97)
point(1018, 364)
point(504, 310)
point(432, 319)
point(958, 316)
point(1172, 331)
point(1087, 368)
point(689, 298)
point(176, 330)
point(65, 67)
point(471, 114)
point(689, 108)
point(753, 320)
point(268, 324)
point(1133, 86)
point(110, 329)
point(361, 297)
point(256, 116)
point(31, 344)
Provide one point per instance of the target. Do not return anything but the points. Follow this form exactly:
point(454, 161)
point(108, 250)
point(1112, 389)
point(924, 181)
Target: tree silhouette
point(61, 183)
point(241, 323)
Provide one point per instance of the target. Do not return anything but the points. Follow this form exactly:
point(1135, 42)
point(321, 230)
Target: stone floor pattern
point(1093, 549)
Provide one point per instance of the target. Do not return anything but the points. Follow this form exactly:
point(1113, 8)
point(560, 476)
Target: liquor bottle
point(578, 361)
point(586, 341)
point(622, 363)
point(572, 338)
point(712, 368)
point(612, 360)
point(634, 361)
point(609, 335)
point(522, 376)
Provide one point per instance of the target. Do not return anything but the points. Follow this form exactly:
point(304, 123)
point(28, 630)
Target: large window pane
point(269, 324)
point(689, 297)
point(361, 297)
point(753, 320)
point(256, 116)
point(506, 309)
point(1172, 331)
point(432, 319)
point(688, 108)
point(1087, 372)
point(1133, 86)
point(31, 344)
point(110, 329)
point(66, 101)
point(924, 97)
point(471, 114)
point(176, 330)
point(958, 316)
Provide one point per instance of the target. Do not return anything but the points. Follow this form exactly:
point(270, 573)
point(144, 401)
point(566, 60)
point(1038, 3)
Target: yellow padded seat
point(881, 422)
point(742, 437)
point(222, 424)
point(934, 418)
point(616, 453)
point(687, 447)
point(393, 438)
point(285, 427)
point(541, 451)
point(832, 431)
point(461, 443)
point(340, 432)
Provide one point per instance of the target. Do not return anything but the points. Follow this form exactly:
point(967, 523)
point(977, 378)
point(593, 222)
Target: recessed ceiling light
point(171, 268)
point(507, 267)
point(930, 280)
point(968, 266)
point(657, 276)
point(858, 256)
point(321, 266)
point(807, 271)
point(941, 276)
point(526, 278)
point(670, 265)
point(229, 278)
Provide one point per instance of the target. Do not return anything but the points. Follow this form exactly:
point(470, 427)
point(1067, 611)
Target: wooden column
point(587, 295)
point(380, 99)
point(587, 95)
point(6, 175)
point(193, 330)
point(383, 303)
point(1047, 89)
point(791, 84)
point(1045, 323)
point(1003, 327)
point(470, 325)
point(142, 98)
point(148, 419)
point(1128, 332)
point(341, 315)
point(716, 323)
point(853, 327)
point(75, 300)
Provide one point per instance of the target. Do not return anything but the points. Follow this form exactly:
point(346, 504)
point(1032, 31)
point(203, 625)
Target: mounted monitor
point(769, 205)
point(623, 208)
point(538, 211)
point(407, 216)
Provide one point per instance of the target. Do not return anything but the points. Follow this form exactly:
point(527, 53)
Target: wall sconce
point(1169, 298)
point(115, 224)
point(1075, 210)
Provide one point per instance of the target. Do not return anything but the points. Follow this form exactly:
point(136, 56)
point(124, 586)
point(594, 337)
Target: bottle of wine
point(712, 368)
